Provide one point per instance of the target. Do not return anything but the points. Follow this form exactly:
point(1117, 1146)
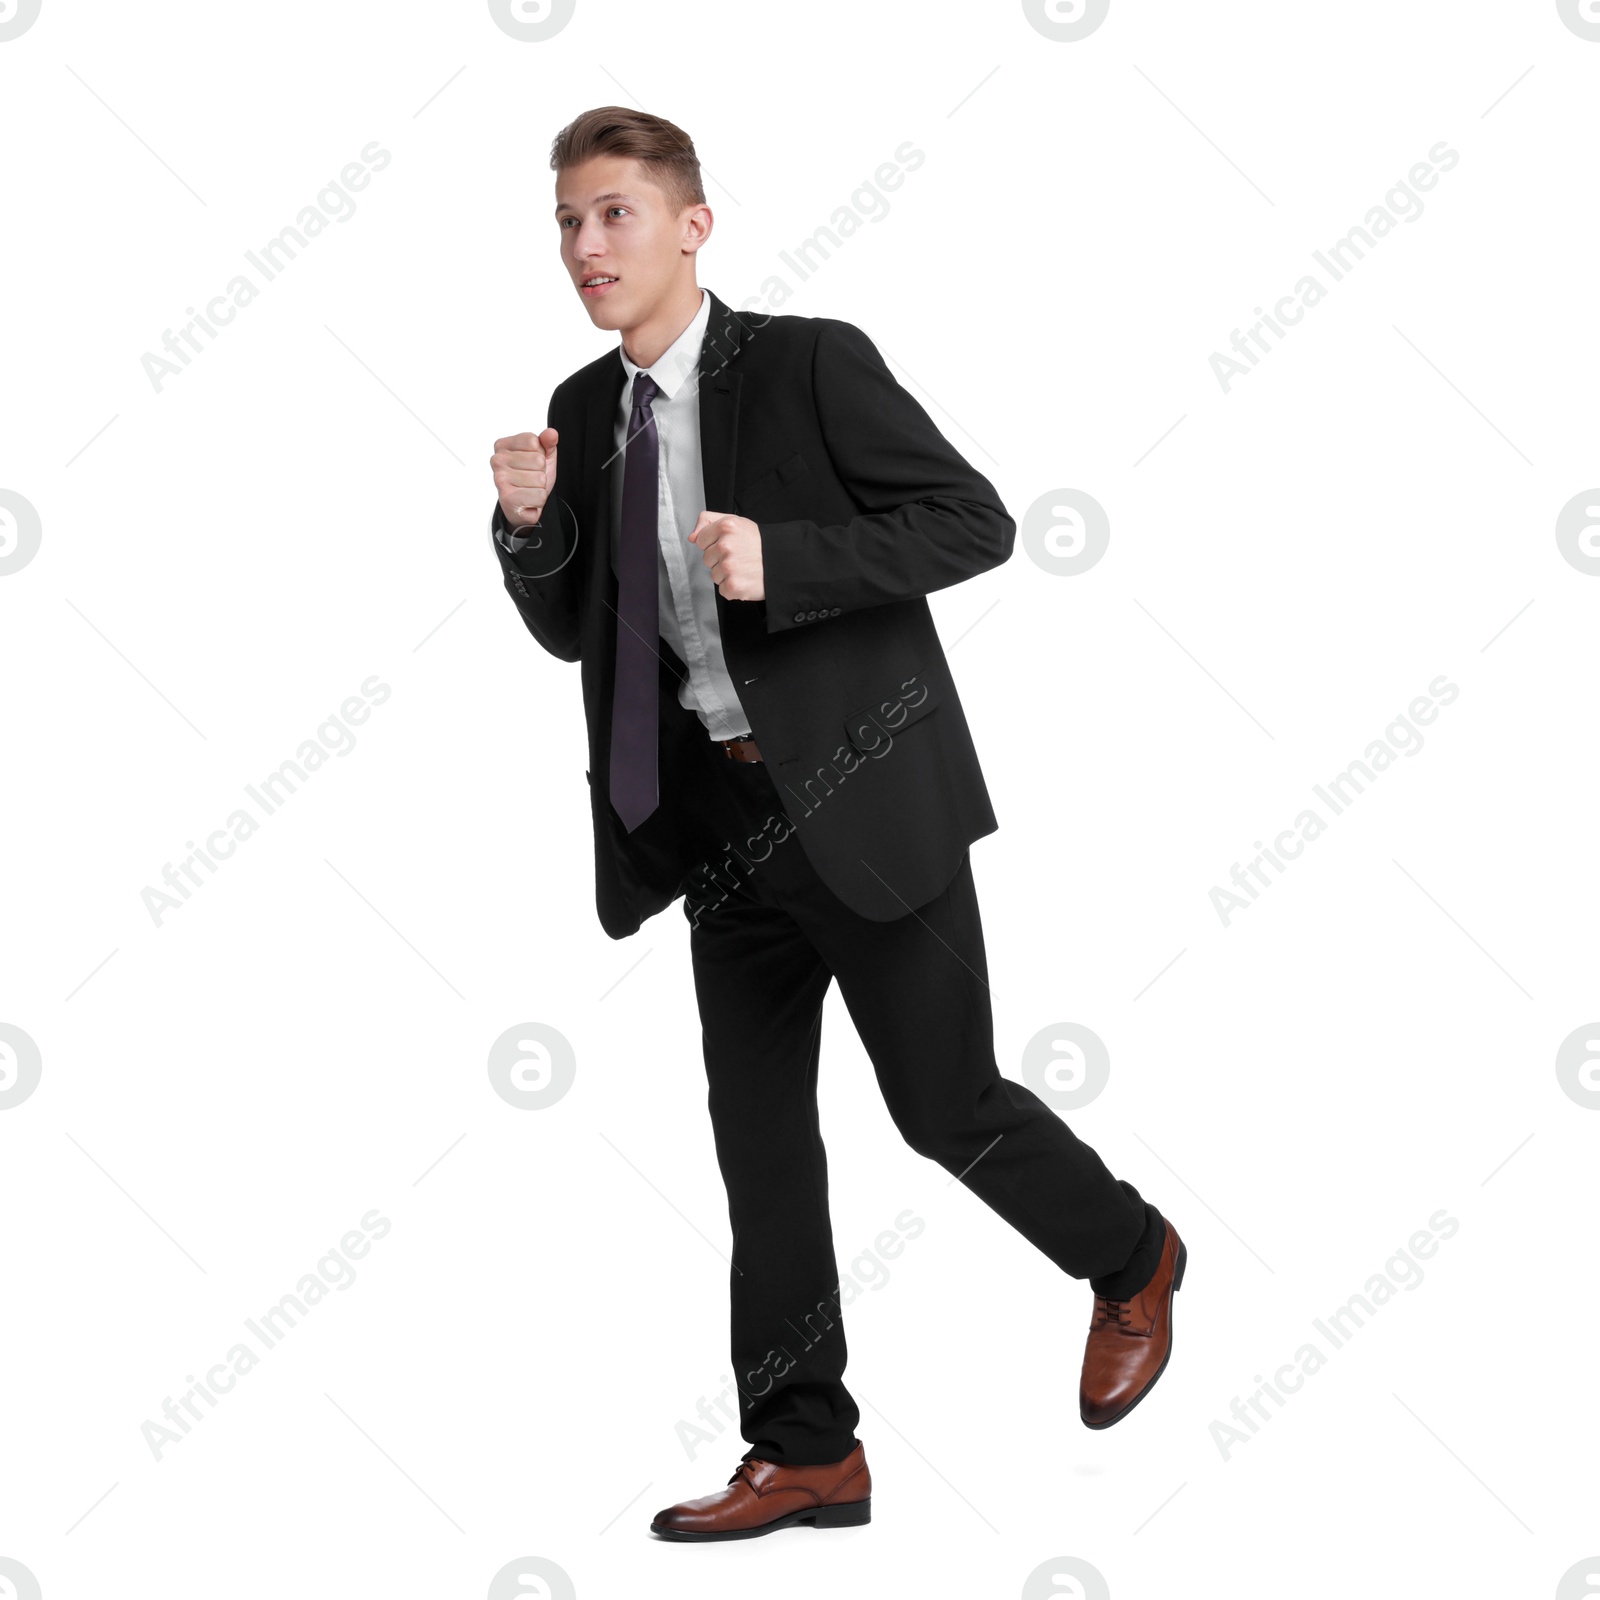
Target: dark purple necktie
point(634, 710)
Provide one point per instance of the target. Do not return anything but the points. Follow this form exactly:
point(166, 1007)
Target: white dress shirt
point(686, 595)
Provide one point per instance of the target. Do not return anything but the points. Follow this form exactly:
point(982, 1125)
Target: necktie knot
point(645, 389)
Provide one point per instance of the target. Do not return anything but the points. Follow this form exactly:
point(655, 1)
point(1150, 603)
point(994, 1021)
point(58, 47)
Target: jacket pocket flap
point(871, 728)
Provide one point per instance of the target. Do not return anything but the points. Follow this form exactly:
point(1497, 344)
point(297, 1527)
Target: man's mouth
point(598, 283)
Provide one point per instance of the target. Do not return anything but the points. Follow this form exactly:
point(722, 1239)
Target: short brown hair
point(665, 151)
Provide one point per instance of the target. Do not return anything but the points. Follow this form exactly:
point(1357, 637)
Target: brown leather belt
point(739, 749)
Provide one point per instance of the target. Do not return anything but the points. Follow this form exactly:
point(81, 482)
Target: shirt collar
point(680, 360)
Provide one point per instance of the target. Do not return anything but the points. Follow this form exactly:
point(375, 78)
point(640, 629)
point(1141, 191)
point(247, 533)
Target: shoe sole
point(851, 1515)
point(1177, 1284)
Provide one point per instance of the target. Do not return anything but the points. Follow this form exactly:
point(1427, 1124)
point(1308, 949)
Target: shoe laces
point(1117, 1311)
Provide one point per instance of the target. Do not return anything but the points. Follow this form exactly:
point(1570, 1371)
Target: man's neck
point(645, 344)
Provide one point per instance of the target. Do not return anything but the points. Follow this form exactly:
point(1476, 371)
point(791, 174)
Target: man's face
point(615, 223)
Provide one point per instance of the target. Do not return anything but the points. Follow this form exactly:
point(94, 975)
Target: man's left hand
point(731, 547)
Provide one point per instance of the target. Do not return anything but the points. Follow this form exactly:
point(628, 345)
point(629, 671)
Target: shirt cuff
point(505, 535)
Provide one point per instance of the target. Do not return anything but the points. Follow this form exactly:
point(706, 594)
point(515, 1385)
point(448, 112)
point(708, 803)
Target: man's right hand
point(524, 466)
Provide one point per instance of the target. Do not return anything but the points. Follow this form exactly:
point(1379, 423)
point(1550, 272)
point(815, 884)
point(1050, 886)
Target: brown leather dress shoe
point(764, 1495)
point(1130, 1340)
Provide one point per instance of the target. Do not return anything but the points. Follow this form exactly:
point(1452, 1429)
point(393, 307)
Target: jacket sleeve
point(543, 576)
point(928, 519)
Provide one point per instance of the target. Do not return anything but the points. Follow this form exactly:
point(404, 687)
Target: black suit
point(864, 508)
point(842, 855)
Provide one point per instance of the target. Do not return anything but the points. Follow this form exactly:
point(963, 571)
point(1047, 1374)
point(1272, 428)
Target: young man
point(736, 546)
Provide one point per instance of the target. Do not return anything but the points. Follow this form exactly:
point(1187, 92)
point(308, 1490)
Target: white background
point(1291, 563)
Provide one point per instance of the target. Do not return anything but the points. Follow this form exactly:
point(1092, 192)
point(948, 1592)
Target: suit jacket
point(864, 508)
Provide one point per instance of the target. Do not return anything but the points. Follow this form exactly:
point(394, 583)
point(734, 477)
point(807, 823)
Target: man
point(736, 546)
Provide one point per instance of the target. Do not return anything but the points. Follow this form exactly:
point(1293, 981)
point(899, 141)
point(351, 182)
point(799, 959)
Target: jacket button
point(799, 616)
point(834, 612)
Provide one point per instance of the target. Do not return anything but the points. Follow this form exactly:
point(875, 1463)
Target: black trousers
point(767, 937)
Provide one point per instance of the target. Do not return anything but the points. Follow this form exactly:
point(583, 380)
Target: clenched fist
point(731, 547)
point(524, 473)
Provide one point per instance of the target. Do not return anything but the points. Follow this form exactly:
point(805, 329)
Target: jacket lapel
point(720, 385)
point(718, 379)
